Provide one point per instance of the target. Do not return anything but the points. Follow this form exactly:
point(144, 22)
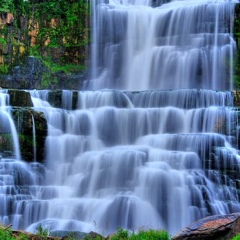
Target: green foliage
point(66, 68)
point(151, 235)
point(90, 238)
point(121, 235)
point(237, 56)
point(57, 23)
point(34, 51)
point(236, 237)
point(6, 234)
point(3, 41)
point(237, 70)
point(70, 27)
point(6, 6)
point(23, 237)
point(142, 235)
point(42, 232)
point(4, 69)
point(46, 80)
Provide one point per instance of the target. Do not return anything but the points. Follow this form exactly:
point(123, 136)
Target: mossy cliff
point(31, 126)
point(54, 32)
point(237, 38)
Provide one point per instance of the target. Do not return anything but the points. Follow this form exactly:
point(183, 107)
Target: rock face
point(31, 126)
point(32, 132)
point(57, 33)
point(215, 227)
point(29, 75)
point(20, 98)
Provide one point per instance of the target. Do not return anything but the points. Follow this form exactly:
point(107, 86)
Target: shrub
point(236, 237)
point(6, 234)
point(142, 235)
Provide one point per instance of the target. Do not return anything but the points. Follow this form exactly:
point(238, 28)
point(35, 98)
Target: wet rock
point(75, 100)
point(68, 234)
point(212, 228)
point(29, 75)
point(68, 80)
point(55, 98)
point(31, 126)
point(20, 98)
point(94, 235)
point(236, 94)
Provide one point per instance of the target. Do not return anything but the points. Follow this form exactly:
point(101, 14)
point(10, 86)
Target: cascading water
point(141, 159)
point(122, 156)
point(182, 44)
point(16, 177)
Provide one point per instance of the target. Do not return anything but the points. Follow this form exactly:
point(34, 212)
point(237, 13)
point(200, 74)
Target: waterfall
point(152, 141)
point(180, 44)
point(34, 140)
point(122, 156)
point(8, 133)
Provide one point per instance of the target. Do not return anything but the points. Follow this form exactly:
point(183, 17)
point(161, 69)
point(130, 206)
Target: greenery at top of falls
point(57, 27)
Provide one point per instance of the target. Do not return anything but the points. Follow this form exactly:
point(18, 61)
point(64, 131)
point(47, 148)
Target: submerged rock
point(212, 228)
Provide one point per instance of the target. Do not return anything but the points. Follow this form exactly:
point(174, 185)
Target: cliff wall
point(55, 33)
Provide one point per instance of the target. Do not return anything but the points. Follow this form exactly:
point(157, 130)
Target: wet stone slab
point(213, 227)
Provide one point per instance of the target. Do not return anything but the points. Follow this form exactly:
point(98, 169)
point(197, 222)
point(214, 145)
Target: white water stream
point(140, 157)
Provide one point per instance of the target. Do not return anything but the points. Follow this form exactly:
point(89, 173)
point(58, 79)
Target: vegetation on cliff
point(56, 31)
point(237, 55)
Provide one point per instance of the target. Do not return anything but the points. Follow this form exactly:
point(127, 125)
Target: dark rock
point(75, 100)
point(212, 228)
point(55, 98)
point(69, 81)
point(29, 75)
point(19, 98)
point(236, 94)
point(25, 119)
point(94, 235)
point(68, 234)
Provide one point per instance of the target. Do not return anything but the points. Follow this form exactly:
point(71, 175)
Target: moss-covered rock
point(20, 98)
point(56, 31)
point(32, 132)
point(55, 98)
point(237, 54)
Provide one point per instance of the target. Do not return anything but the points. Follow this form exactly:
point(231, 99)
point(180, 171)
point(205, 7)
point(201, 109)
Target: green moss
point(4, 69)
point(20, 98)
point(63, 24)
point(237, 69)
point(237, 55)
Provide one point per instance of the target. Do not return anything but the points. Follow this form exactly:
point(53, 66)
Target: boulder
point(29, 75)
point(28, 121)
point(20, 98)
point(94, 235)
point(215, 227)
point(55, 98)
